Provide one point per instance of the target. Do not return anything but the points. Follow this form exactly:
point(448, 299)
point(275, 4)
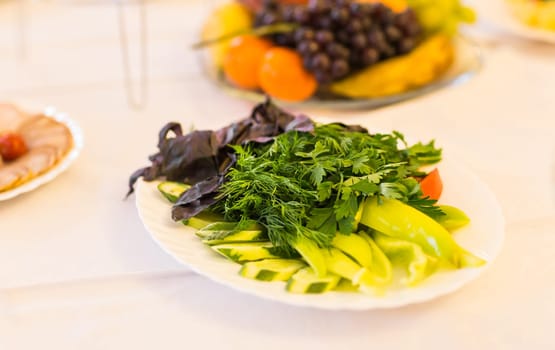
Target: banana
point(420, 67)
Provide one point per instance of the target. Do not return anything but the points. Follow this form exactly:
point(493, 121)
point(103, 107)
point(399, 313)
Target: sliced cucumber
point(345, 286)
point(236, 237)
point(354, 246)
point(271, 269)
point(307, 281)
point(242, 252)
point(228, 232)
point(172, 190)
point(220, 226)
point(202, 219)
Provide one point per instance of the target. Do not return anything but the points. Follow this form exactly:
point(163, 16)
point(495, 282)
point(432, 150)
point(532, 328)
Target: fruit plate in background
point(342, 54)
point(467, 62)
point(499, 14)
point(60, 166)
point(483, 236)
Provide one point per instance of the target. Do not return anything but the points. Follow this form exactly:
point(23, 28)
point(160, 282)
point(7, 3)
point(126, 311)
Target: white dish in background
point(61, 166)
point(499, 14)
point(484, 237)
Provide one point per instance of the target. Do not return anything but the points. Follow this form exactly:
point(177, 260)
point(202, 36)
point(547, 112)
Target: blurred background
point(122, 69)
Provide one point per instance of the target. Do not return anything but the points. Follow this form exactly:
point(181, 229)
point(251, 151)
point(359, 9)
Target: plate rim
point(62, 165)
point(310, 301)
point(499, 14)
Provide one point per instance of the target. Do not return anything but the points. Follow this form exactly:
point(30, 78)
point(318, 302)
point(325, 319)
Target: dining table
point(78, 269)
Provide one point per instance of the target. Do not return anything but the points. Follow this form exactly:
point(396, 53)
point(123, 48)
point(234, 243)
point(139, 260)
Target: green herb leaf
point(317, 174)
point(366, 187)
point(310, 185)
point(425, 153)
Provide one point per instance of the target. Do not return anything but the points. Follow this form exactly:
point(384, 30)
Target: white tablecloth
point(78, 270)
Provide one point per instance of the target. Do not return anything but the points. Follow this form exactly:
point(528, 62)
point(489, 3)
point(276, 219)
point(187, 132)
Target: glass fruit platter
point(338, 53)
point(467, 63)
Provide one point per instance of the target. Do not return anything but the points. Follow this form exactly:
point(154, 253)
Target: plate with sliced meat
point(34, 148)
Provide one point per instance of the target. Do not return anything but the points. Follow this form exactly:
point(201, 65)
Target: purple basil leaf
point(203, 158)
point(197, 198)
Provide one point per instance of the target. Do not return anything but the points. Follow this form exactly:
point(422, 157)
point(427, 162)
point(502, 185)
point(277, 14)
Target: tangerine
point(243, 59)
point(395, 5)
point(283, 76)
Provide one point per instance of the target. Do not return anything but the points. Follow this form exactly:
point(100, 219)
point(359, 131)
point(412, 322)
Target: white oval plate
point(62, 165)
point(498, 13)
point(484, 237)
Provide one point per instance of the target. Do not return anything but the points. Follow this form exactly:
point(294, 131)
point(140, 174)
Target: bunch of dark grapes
point(337, 37)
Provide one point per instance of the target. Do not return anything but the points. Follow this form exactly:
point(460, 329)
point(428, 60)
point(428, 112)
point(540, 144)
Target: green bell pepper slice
point(409, 255)
point(399, 220)
point(453, 219)
point(381, 267)
point(354, 246)
point(380, 271)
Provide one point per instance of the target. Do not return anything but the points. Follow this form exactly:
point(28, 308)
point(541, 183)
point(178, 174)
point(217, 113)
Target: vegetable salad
point(316, 205)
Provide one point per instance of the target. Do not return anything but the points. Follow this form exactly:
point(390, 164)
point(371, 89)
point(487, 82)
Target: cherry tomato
point(431, 185)
point(12, 146)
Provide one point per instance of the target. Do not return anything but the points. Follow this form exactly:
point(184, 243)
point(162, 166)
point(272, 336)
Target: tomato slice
point(431, 185)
